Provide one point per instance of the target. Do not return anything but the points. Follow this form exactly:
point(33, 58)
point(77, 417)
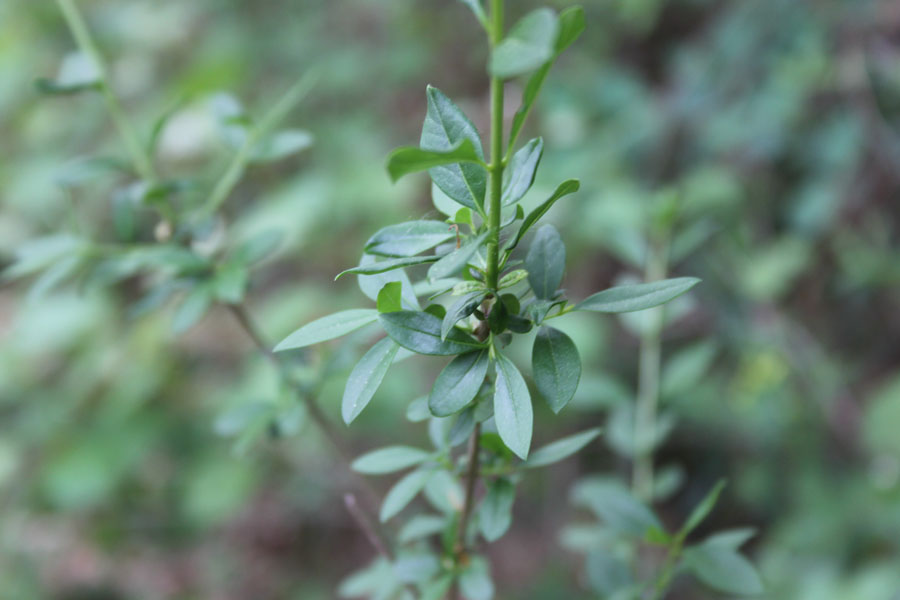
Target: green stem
point(668, 569)
point(143, 164)
point(648, 379)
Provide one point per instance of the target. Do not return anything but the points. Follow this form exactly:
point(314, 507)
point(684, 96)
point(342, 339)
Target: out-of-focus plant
point(480, 397)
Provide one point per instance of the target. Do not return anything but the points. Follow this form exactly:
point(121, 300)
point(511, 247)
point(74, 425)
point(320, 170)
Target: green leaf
point(410, 159)
point(77, 73)
point(437, 589)
point(402, 493)
point(609, 574)
point(640, 296)
point(546, 262)
point(478, 10)
point(495, 512)
point(453, 263)
point(372, 284)
point(281, 145)
point(421, 333)
point(328, 328)
point(561, 449)
point(389, 297)
point(731, 538)
point(475, 582)
point(530, 43)
point(556, 367)
point(512, 407)
point(565, 188)
point(512, 278)
point(519, 175)
point(383, 266)
point(446, 127)
point(421, 526)
point(258, 247)
point(192, 309)
point(458, 383)
point(723, 569)
point(389, 459)
point(461, 309)
point(230, 282)
point(571, 26)
point(702, 510)
point(467, 287)
point(365, 378)
point(408, 239)
point(613, 503)
point(686, 368)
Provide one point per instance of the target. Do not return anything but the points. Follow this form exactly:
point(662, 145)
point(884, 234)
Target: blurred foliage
point(777, 121)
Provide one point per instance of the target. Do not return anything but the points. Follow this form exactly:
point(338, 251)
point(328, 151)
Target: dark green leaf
point(410, 159)
point(640, 296)
point(532, 89)
point(556, 367)
point(530, 43)
point(512, 407)
point(421, 333)
point(453, 263)
point(703, 509)
point(723, 569)
point(328, 328)
point(402, 493)
point(495, 512)
point(546, 262)
point(565, 188)
point(389, 297)
point(408, 239)
point(519, 175)
point(365, 378)
point(461, 309)
point(389, 459)
point(561, 449)
point(458, 383)
point(383, 266)
point(616, 506)
point(445, 127)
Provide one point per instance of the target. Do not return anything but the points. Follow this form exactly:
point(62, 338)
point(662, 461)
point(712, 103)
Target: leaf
point(402, 493)
point(389, 459)
point(686, 368)
point(512, 407)
point(564, 189)
point(437, 589)
point(571, 26)
point(530, 43)
point(467, 287)
point(512, 278)
point(39, 253)
point(453, 263)
point(639, 296)
point(419, 527)
point(556, 367)
point(192, 308)
point(421, 333)
point(230, 282)
point(723, 569)
point(458, 383)
point(702, 510)
point(495, 512)
point(281, 145)
point(561, 449)
point(731, 538)
point(478, 10)
point(616, 506)
point(408, 239)
point(410, 159)
point(365, 378)
point(383, 266)
point(546, 262)
point(258, 247)
point(608, 573)
point(77, 73)
point(519, 175)
point(389, 297)
point(461, 309)
point(327, 328)
point(372, 284)
point(445, 127)
point(475, 582)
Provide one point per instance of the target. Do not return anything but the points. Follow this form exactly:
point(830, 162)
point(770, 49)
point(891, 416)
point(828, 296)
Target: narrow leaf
point(640, 296)
point(461, 309)
point(565, 188)
point(421, 526)
point(495, 512)
point(445, 127)
point(421, 333)
point(613, 503)
point(546, 262)
point(453, 263)
point(328, 328)
point(530, 43)
point(478, 10)
point(408, 239)
point(389, 459)
point(561, 449)
point(571, 26)
point(410, 159)
point(370, 285)
point(512, 407)
point(703, 509)
point(458, 383)
point(383, 266)
point(556, 367)
point(519, 175)
point(402, 493)
point(365, 378)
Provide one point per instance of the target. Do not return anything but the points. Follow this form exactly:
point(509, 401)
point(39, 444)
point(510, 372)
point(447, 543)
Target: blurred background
point(126, 469)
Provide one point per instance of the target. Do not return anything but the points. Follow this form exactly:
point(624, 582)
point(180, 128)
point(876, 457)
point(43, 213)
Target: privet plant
point(630, 554)
point(169, 234)
point(479, 410)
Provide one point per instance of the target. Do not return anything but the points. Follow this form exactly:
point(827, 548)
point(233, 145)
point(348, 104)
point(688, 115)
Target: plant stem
point(648, 379)
point(471, 479)
point(143, 164)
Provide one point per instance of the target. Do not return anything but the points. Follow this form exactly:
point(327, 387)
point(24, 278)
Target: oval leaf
point(495, 512)
point(421, 333)
point(512, 407)
point(640, 296)
point(402, 493)
point(458, 384)
point(408, 239)
point(546, 262)
point(410, 159)
point(328, 328)
point(561, 449)
point(556, 367)
point(564, 189)
point(389, 459)
point(365, 378)
point(454, 262)
point(519, 175)
point(383, 266)
point(530, 43)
